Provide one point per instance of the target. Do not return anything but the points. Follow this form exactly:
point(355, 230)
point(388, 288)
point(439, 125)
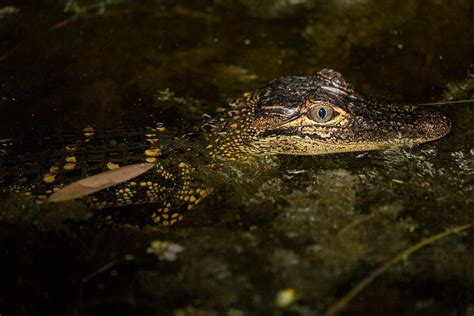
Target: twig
point(106, 267)
point(8, 53)
point(446, 102)
point(342, 303)
point(86, 16)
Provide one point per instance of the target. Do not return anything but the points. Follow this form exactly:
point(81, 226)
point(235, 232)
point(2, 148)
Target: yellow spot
point(165, 223)
point(166, 210)
point(143, 184)
point(166, 216)
point(182, 165)
point(157, 219)
point(112, 166)
point(71, 159)
point(152, 141)
point(174, 215)
point(173, 221)
point(150, 159)
point(49, 178)
point(192, 199)
point(190, 207)
point(180, 217)
point(71, 148)
point(88, 131)
point(69, 166)
point(133, 183)
point(54, 169)
point(152, 152)
point(160, 129)
point(56, 189)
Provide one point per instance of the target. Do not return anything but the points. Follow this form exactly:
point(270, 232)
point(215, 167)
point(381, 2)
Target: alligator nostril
point(434, 124)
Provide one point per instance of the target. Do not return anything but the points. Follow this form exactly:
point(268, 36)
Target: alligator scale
point(315, 115)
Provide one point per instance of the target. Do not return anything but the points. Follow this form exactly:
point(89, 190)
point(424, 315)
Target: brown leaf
point(99, 182)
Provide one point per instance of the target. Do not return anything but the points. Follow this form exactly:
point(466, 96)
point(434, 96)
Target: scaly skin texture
point(282, 118)
point(314, 115)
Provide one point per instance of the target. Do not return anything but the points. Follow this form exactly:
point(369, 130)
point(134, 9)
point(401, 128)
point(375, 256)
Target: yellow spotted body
point(169, 185)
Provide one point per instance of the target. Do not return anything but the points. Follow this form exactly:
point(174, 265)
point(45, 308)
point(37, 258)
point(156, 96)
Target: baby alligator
point(315, 115)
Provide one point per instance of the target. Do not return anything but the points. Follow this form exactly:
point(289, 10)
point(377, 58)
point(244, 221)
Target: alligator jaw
point(395, 127)
point(375, 132)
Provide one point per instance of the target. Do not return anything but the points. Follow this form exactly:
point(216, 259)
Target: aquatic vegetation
point(8, 10)
point(285, 298)
point(164, 250)
point(461, 90)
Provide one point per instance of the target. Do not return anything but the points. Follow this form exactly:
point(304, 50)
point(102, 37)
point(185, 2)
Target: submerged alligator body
point(315, 115)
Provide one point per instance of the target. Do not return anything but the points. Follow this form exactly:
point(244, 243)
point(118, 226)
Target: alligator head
point(321, 114)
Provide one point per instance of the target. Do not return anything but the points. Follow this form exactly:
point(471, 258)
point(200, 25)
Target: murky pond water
point(279, 236)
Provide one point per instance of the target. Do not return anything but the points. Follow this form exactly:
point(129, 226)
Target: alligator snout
point(433, 125)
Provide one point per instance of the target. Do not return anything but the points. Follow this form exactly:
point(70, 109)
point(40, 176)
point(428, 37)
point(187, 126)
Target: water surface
point(280, 236)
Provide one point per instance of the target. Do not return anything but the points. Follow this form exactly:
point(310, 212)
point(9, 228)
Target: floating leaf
point(99, 182)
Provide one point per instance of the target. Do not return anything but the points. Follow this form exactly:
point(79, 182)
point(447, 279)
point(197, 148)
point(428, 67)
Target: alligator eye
point(321, 114)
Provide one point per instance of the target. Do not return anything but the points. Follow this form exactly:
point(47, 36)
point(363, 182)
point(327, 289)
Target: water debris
point(99, 7)
point(194, 311)
point(6, 142)
point(99, 182)
point(285, 298)
point(342, 303)
point(460, 91)
point(295, 171)
point(8, 10)
point(107, 267)
point(164, 250)
point(167, 95)
point(182, 10)
point(235, 73)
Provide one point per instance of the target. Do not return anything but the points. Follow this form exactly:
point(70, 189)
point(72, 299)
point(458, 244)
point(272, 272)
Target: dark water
point(291, 240)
